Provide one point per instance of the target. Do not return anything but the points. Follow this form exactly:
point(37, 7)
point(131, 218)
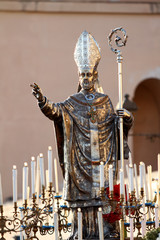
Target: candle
point(130, 158)
point(79, 224)
point(145, 182)
point(41, 166)
point(143, 224)
point(50, 163)
point(56, 175)
point(127, 193)
point(47, 179)
point(121, 174)
point(1, 194)
point(37, 179)
point(141, 175)
point(136, 181)
point(110, 178)
point(127, 171)
point(56, 225)
point(14, 178)
point(28, 193)
point(156, 217)
point(100, 224)
point(33, 169)
point(25, 181)
point(149, 168)
point(131, 228)
point(101, 174)
point(131, 178)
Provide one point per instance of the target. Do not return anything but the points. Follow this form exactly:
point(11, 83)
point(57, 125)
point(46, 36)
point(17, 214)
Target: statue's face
point(86, 79)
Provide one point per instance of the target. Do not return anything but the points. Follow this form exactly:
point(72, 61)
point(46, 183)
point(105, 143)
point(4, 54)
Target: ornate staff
point(119, 42)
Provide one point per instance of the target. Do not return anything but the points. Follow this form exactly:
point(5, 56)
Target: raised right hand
point(37, 92)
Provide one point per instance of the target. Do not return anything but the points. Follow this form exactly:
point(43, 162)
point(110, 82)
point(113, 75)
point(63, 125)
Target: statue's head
point(87, 57)
point(87, 78)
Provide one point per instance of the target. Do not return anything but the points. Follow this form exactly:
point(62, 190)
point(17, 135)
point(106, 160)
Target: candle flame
point(50, 148)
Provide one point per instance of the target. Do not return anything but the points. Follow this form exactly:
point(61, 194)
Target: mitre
point(87, 52)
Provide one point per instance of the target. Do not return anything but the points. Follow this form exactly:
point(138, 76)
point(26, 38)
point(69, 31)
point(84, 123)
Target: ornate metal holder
point(37, 218)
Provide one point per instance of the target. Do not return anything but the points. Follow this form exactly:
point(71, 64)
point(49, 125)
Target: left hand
point(123, 113)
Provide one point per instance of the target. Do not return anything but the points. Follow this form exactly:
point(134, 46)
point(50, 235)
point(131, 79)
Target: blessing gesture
point(37, 92)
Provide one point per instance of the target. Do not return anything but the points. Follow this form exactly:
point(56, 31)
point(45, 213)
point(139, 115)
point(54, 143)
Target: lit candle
point(149, 168)
point(79, 224)
point(110, 178)
point(50, 163)
point(33, 169)
point(1, 194)
point(131, 228)
point(141, 175)
point(56, 225)
point(100, 224)
point(136, 181)
point(41, 166)
point(56, 175)
point(25, 181)
point(14, 178)
point(131, 178)
point(101, 174)
point(121, 174)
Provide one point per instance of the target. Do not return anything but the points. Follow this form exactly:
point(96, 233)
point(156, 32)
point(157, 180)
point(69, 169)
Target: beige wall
point(38, 47)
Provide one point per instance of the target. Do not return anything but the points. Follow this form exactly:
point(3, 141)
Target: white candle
point(56, 175)
point(121, 174)
point(143, 224)
point(141, 174)
point(131, 228)
point(145, 182)
point(100, 224)
point(131, 178)
point(79, 224)
point(1, 194)
point(41, 166)
point(37, 179)
point(127, 171)
point(110, 178)
point(127, 193)
point(50, 163)
point(47, 179)
point(28, 193)
point(56, 225)
point(14, 178)
point(156, 217)
point(25, 180)
point(130, 158)
point(101, 174)
point(136, 181)
point(21, 228)
point(33, 169)
point(149, 168)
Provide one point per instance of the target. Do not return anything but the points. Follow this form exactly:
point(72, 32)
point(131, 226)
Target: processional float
point(45, 213)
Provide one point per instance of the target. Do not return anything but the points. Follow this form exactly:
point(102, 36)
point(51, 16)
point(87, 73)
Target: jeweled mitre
point(87, 52)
